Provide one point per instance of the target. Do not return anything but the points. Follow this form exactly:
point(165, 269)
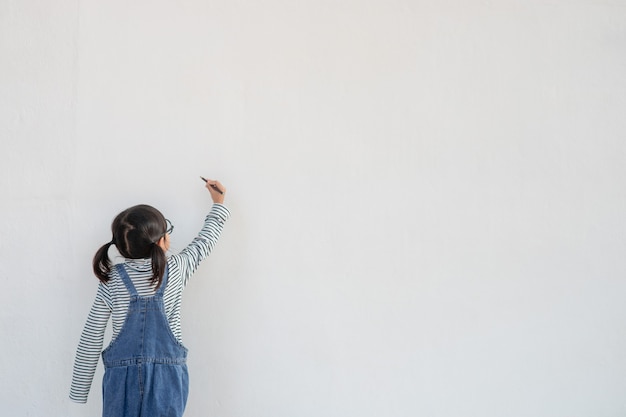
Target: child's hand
point(217, 191)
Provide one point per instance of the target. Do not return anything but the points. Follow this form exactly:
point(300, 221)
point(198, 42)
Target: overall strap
point(126, 279)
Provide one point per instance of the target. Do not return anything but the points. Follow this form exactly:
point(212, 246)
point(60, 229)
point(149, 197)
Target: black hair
point(136, 232)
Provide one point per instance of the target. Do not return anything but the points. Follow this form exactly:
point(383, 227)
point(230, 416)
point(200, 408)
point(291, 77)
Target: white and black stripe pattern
point(112, 299)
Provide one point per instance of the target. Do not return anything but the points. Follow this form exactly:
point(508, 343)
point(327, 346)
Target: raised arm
point(188, 259)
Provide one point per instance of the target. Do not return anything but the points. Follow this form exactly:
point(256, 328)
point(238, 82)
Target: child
point(145, 363)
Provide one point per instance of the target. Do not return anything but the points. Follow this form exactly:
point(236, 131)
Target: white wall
point(428, 198)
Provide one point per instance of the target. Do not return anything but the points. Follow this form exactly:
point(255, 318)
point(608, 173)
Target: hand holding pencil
point(216, 189)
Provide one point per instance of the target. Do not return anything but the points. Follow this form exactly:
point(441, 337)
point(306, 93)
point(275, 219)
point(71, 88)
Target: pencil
point(212, 186)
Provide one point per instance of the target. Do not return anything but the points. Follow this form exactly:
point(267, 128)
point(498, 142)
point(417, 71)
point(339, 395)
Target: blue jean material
point(145, 366)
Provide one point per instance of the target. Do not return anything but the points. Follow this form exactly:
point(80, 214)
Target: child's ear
point(161, 242)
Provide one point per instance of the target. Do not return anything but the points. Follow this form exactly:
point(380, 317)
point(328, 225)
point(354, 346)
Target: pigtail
point(158, 264)
point(101, 262)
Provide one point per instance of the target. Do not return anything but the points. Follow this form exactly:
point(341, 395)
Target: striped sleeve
point(188, 259)
point(90, 346)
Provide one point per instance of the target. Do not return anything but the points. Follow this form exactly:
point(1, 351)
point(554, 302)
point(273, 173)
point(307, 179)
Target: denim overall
point(145, 366)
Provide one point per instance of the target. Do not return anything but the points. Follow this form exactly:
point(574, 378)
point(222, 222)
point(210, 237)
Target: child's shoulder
point(173, 267)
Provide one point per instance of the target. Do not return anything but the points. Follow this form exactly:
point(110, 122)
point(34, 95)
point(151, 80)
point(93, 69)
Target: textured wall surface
point(428, 198)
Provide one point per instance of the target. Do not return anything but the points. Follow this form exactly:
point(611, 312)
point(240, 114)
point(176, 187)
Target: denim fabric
point(145, 366)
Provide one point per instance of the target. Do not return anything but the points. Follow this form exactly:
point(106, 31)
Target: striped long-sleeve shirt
point(112, 299)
